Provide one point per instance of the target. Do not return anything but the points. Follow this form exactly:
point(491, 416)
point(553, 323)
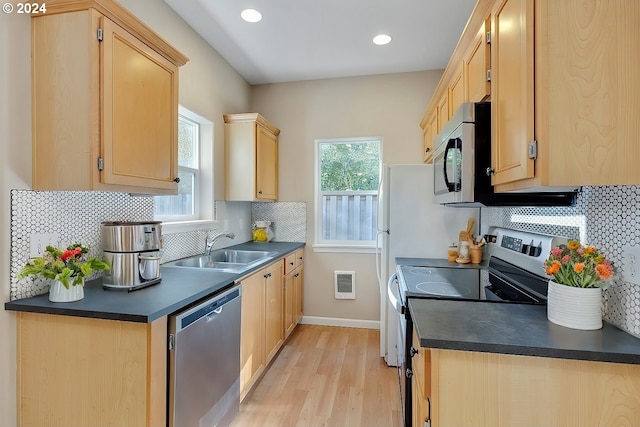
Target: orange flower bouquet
point(69, 266)
point(578, 266)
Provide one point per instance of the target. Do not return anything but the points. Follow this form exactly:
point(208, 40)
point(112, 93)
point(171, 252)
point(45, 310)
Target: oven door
point(509, 283)
point(397, 301)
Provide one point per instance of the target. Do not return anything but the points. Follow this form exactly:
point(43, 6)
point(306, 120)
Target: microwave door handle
point(453, 143)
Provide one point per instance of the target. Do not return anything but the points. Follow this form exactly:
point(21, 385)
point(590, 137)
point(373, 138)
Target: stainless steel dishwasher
point(204, 362)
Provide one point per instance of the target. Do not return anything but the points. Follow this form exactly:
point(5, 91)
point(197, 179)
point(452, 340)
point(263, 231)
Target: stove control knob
point(536, 250)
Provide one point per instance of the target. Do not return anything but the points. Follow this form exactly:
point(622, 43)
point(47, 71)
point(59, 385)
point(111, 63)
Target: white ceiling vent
point(345, 284)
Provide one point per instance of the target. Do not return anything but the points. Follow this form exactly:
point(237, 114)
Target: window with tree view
point(347, 185)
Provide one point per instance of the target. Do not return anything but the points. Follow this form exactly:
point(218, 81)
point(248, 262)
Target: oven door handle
point(395, 302)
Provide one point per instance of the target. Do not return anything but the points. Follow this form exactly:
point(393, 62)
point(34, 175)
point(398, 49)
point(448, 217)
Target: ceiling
point(317, 39)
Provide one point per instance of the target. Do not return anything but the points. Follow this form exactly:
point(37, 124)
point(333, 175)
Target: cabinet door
point(289, 303)
point(427, 144)
point(298, 291)
point(139, 112)
point(274, 334)
point(266, 164)
point(77, 371)
point(443, 111)
point(512, 90)
point(476, 65)
point(456, 92)
point(252, 355)
point(421, 383)
point(420, 405)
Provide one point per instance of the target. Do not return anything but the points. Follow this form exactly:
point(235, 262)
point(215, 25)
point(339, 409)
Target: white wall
point(390, 106)
point(208, 86)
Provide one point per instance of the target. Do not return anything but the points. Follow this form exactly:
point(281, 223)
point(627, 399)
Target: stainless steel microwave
point(462, 165)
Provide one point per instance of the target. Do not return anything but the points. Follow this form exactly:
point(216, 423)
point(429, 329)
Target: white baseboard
point(334, 321)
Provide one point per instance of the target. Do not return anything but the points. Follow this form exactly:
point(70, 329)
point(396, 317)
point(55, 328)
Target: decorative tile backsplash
point(607, 217)
point(76, 216)
point(288, 219)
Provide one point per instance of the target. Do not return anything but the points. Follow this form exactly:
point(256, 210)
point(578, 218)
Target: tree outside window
point(347, 184)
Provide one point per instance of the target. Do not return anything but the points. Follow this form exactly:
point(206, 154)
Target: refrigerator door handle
point(380, 231)
point(378, 255)
point(379, 197)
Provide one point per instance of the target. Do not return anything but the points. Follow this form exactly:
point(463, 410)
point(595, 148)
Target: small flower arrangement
point(578, 266)
point(69, 266)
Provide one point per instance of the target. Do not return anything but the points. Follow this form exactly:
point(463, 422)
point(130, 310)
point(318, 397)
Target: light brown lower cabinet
point(293, 285)
point(274, 319)
point(252, 355)
point(298, 286)
point(271, 309)
point(500, 390)
point(76, 371)
point(420, 384)
point(261, 328)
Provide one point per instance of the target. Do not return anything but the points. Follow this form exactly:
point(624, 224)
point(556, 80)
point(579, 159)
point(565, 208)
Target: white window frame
point(203, 203)
point(341, 246)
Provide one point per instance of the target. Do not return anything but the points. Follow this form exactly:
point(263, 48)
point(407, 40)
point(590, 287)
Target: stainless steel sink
point(227, 260)
point(238, 256)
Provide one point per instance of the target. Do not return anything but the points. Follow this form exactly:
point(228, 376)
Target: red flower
point(67, 254)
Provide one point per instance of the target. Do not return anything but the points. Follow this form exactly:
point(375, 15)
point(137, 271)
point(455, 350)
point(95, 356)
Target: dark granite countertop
point(519, 329)
point(441, 263)
point(179, 288)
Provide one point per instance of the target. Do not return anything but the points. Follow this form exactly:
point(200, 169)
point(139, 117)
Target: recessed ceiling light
point(251, 15)
point(382, 39)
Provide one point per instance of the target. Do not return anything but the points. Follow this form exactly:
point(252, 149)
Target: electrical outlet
point(39, 242)
point(631, 264)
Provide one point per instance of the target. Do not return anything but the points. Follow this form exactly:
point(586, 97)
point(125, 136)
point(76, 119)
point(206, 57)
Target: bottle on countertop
point(261, 231)
point(464, 249)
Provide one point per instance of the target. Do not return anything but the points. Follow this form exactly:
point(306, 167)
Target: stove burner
point(421, 271)
point(443, 289)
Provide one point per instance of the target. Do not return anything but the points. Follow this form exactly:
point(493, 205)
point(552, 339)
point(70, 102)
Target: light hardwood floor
point(325, 376)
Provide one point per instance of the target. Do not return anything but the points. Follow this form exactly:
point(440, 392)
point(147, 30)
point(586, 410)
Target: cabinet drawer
point(299, 257)
point(289, 263)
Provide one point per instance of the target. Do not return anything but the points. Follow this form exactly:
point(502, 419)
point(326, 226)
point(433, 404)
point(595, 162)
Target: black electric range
point(422, 281)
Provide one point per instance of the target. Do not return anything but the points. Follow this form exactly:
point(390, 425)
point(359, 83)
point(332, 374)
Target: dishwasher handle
point(206, 310)
point(214, 313)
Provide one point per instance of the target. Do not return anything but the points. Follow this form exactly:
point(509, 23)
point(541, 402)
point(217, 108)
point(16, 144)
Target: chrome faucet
point(209, 243)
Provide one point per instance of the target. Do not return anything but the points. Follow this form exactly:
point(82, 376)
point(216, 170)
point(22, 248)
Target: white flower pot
point(576, 308)
point(58, 293)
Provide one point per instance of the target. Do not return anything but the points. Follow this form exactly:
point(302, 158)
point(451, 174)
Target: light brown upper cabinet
point(457, 95)
point(429, 125)
point(564, 93)
point(459, 80)
point(512, 110)
point(251, 157)
point(443, 110)
point(477, 65)
point(105, 101)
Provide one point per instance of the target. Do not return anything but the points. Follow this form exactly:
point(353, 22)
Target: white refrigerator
point(410, 225)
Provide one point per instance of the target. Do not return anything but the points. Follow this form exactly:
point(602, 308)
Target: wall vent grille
point(345, 284)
